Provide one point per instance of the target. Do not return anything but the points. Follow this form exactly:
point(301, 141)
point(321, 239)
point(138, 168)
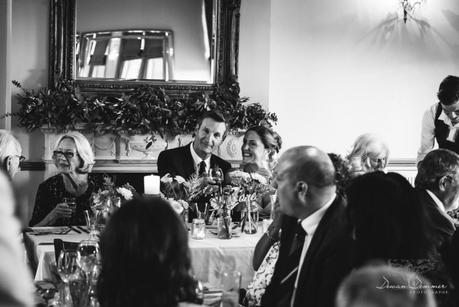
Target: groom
point(197, 156)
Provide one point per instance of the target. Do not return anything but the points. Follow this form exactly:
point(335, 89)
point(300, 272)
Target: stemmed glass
point(67, 267)
point(88, 256)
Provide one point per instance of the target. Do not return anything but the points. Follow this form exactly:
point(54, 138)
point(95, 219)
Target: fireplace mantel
point(128, 153)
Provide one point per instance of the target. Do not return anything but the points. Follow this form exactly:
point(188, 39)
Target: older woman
point(74, 159)
point(369, 153)
point(145, 258)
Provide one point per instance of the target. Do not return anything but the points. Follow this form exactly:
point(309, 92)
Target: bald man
point(312, 258)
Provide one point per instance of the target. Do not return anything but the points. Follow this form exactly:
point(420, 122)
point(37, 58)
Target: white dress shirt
point(310, 225)
point(197, 160)
point(428, 130)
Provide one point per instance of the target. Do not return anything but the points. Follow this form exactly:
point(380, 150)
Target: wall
point(342, 68)
point(29, 65)
point(254, 50)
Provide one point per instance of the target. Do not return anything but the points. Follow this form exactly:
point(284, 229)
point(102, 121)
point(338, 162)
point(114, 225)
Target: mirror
point(125, 55)
point(178, 45)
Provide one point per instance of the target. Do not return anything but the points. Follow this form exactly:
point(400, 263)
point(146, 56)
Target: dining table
point(210, 256)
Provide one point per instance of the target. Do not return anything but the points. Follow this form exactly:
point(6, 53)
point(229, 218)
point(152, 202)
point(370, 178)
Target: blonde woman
point(74, 159)
point(369, 153)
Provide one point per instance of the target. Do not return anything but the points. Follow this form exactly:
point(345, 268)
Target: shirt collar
point(197, 159)
point(437, 201)
point(310, 223)
point(444, 118)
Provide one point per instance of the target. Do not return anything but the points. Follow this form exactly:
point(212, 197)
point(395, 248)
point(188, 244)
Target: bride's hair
point(270, 139)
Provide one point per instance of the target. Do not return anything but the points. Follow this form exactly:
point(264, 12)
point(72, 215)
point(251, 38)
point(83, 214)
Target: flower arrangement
point(146, 109)
point(175, 190)
point(110, 196)
point(251, 187)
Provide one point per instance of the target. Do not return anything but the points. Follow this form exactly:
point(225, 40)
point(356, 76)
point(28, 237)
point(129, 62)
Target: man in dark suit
point(197, 156)
point(314, 237)
point(437, 184)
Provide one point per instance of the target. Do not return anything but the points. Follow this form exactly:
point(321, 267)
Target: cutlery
point(83, 229)
point(75, 229)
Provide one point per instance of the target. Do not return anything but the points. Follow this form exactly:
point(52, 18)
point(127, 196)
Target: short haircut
point(448, 91)
point(215, 115)
point(83, 148)
point(9, 145)
point(312, 166)
point(365, 286)
point(436, 164)
point(270, 139)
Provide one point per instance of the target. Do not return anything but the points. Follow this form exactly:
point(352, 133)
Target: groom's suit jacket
point(179, 162)
point(326, 263)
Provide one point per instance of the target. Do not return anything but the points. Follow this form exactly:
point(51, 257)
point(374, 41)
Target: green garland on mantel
point(146, 109)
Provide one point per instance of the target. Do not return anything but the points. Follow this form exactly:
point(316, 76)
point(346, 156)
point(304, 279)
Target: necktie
point(292, 266)
point(202, 168)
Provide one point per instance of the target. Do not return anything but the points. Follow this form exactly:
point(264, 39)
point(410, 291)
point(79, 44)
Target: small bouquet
point(175, 190)
point(110, 195)
point(251, 187)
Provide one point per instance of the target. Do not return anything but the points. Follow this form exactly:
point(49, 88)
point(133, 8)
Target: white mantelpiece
point(128, 153)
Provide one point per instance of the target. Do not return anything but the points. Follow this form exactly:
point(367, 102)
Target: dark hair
point(145, 257)
point(388, 220)
point(270, 139)
point(436, 164)
point(448, 91)
point(215, 115)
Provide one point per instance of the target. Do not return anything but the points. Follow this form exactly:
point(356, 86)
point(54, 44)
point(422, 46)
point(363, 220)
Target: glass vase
point(224, 227)
point(251, 218)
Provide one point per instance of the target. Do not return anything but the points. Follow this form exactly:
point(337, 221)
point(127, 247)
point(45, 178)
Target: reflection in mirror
point(183, 52)
point(124, 55)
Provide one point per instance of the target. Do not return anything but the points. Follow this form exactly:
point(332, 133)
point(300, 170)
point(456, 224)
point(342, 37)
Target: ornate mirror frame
point(62, 53)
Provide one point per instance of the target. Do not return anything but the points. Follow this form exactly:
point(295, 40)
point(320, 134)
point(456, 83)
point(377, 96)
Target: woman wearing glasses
point(74, 159)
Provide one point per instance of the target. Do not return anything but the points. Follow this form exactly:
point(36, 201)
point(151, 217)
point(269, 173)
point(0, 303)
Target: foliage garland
point(145, 109)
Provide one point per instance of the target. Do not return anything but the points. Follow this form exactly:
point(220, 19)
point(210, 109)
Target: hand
point(62, 210)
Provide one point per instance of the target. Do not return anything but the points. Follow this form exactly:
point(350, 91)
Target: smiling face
point(66, 156)
point(209, 136)
point(253, 150)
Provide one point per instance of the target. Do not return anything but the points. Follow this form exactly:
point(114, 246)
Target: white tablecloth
point(209, 256)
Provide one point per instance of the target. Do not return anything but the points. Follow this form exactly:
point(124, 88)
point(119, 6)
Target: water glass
point(230, 282)
point(67, 268)
point(91, 224)
point(88, 255)
point(198, 229)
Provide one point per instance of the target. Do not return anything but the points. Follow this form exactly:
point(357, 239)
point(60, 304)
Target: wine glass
point(217, 175)
point(88, 254)
point(71, 203)
point(67, 268)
